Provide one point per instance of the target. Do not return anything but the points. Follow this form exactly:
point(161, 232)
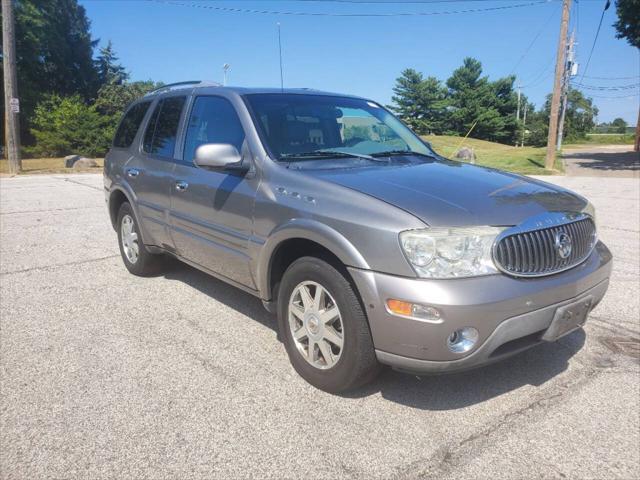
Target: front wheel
point(324, 327)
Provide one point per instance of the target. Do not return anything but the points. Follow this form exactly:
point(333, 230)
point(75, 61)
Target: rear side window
point(160, 137)
point(212, 120)
point(130, 124)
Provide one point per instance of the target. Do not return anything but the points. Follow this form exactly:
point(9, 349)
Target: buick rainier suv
point(371, 248)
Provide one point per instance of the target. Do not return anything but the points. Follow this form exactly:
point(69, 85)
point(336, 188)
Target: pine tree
point(407, 99)
point(110, 72)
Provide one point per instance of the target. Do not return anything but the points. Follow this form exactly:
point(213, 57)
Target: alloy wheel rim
point(129, 236)
point(316, 326)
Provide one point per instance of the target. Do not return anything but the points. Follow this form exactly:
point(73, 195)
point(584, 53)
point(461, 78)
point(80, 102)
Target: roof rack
point(170, 86)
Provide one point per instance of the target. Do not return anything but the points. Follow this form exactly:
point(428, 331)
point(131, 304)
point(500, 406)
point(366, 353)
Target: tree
point(113, 98)
point(64, 125)
point(434, 104)
point(628, 24)
point(110, 72)
point(407, 99)
point(55, 53)
point(487, 107)
point(421, 102)
point(619, 125)
point(579, 119)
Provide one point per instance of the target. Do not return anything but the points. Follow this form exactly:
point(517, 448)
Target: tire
point(144, 263)
point(351, 365)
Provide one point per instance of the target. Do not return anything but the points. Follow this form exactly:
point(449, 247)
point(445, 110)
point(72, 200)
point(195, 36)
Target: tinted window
point(160, 137)
point(129, 125)
point(212, 120)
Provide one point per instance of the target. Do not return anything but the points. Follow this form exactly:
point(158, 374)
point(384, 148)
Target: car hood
point(448, 193)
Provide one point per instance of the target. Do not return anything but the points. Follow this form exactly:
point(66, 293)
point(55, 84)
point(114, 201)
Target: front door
point(211, 216)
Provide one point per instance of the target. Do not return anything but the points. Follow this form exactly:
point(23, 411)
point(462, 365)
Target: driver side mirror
point(218, 155)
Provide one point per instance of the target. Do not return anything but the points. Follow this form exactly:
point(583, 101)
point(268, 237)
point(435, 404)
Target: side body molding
point(307, 229)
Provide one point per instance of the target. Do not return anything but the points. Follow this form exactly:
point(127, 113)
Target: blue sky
point(177, 40)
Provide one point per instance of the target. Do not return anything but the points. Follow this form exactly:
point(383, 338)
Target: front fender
point(307, 229)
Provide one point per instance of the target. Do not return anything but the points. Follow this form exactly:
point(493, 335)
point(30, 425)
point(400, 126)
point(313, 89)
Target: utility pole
point(11, 101)
point(518, 109)
point(636, 146)
point(524, 122)
point(280, 53)
point(568, 72)
point(557, 87)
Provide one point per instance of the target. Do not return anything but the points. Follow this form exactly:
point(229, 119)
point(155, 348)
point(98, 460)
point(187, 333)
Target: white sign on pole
point(14, 104)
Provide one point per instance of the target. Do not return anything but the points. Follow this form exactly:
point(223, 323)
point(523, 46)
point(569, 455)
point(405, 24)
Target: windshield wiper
point(328, 153)
point(389, 153)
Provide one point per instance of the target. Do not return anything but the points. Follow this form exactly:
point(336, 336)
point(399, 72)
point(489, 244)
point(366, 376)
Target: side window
point(130, 124)
point(160, 137)
point(212, 120)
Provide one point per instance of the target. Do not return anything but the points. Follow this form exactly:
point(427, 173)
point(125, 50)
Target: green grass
point(602, 139)
point(525, 160)
point(47, 165)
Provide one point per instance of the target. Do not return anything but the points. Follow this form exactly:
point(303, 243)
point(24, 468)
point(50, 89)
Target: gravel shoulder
point(602, 161)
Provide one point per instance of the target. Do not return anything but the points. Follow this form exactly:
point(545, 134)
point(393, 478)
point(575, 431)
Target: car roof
point(213, 87)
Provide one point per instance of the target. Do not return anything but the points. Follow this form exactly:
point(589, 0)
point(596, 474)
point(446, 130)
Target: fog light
point(462, 340)
point(414, 310)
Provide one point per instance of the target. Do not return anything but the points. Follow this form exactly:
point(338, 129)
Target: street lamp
point(225, 68)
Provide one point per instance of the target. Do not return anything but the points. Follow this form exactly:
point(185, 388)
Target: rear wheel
point(135, 255)
point(324, 327)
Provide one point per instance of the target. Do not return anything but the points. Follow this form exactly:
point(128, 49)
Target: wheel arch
point(299, 238)
point(117, 197)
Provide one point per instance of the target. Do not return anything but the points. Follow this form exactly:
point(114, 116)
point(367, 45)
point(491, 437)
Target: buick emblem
point(562, 244)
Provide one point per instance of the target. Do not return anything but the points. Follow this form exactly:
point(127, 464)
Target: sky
point(175, 40)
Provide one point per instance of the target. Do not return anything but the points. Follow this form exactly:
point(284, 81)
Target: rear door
point(152, 169)
point(212, 210)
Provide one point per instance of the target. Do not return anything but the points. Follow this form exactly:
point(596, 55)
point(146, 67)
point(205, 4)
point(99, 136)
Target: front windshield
point(297, 126)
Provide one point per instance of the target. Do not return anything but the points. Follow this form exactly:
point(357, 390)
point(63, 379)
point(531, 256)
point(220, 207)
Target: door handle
point(133, 172)
point(181, 186)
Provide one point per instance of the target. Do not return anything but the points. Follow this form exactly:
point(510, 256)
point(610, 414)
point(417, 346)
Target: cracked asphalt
point(106, 375)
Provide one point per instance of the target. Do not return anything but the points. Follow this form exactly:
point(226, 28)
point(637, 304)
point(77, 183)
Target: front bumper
point(510, 314)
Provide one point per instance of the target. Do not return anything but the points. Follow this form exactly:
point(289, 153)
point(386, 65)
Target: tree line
point(72, 93)
point(468, 102)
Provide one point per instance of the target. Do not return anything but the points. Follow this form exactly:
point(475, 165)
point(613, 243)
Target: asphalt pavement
point(107, 375)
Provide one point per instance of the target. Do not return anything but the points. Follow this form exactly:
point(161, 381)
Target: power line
point(606, 7)
point(611, 78)
point(613, 97)
point(613, 88)
point(331, 14)
point(541, 75)
point(535, 38)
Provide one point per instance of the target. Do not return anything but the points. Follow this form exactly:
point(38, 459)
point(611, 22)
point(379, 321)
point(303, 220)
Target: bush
point(66, 125)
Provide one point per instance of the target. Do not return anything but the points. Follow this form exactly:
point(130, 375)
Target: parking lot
point(104, 374)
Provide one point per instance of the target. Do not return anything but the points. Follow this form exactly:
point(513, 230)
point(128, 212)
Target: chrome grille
point(537, 251)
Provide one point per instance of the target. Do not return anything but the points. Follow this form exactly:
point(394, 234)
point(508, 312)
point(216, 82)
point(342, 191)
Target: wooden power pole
point(557, 87)
point(11, 102)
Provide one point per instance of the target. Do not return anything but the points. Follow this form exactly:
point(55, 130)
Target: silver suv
point(370, 247)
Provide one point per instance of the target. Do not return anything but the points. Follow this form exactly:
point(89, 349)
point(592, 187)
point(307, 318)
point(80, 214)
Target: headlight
point(450, 252)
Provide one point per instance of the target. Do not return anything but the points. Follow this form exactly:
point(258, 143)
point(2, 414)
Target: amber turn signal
point(406, 309)
point(399, 307)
